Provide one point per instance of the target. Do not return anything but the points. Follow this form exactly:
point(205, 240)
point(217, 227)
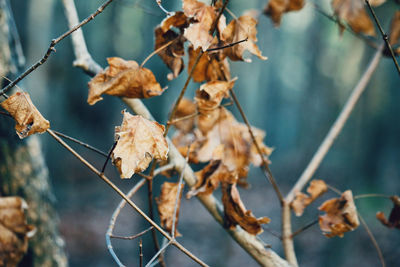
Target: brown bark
point(22, 169)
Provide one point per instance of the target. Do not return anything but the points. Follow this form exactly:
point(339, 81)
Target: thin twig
point(227, 46)
point(109, 156)
point(114, 217)
point(126, 198)
point(267, 172)
point(384, 36)
point(305, 227)
point(371, 195)
point(140, 253)
point(272, 232)
point(52, 49)
point(344, 26)
point(337, 127)
point(157, 51)
point(132, 236)
point(162, 8)
point(98, 151)
point(158, 253)
point(373, 240)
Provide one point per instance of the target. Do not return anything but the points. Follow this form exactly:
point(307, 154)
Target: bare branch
point(336, 127)
point(287, 237)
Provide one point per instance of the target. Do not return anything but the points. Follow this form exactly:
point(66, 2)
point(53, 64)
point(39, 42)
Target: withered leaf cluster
point(28, 119)
point(276, 8)
point(138, 142)
point(14, 230)
point(196, 24)
point(341, 215)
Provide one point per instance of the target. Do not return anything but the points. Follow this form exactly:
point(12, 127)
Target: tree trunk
point(22, 169)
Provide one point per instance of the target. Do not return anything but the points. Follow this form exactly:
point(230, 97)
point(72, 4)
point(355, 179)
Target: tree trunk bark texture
point(22, 169)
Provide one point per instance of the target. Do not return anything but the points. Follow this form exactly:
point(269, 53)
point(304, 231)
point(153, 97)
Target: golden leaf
point(123, 78)
point(301, 201)
point(238, 30)
point(28, 119)
point(185, 108)
point(166, 205)
point(235, 212)
point(14, 230)
point(341, 215)
point(139, 140)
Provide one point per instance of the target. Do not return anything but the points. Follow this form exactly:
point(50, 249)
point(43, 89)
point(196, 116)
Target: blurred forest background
point(295, 96)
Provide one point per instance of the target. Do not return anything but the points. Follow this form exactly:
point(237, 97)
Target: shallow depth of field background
point(294, 96)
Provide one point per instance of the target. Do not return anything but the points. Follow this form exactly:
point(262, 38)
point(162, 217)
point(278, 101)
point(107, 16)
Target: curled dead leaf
point(166, 205)
point(394, 217)
point(242, 28)
point(198, 33)
point(341, 215)
point(139, 140)
point(354, 13)
point(301, 201)
point(209, 178)
point(276, 8)
point(235, 212)
point(185, 115)
point(14, 230)
point(123, 78)
point(172, 54)
point(28, 119)
point(211, 66)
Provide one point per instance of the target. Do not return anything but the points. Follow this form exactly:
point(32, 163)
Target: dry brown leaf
point(209, 68)
point(238, 150)
point(209, 178)
point(28, 119)
point(394, 217)
point(301, 201)
point(237, 30)
point(166, 205)
point(139, 140)
point(395, 29)
point(341, 215)
point(235, 212)
point(123, 78)
point(14, 231)
point(276, 8)
point(185, 108)
point(198, 33)
point(172, 55)
point(354, 13)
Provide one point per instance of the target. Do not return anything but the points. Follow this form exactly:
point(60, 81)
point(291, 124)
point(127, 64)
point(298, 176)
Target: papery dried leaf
point(172, 55)
point(301, 201)
point(182, 141)
point(123, 78)
point(166, 205)
point(276, 8)
point(238, 30)
point(185, 108)
point(139, 140)
point(341, 215)
point(394, 217)
point(14, 231)
point(209, 178)
point(376, 2)
point(354, 13)
point(238, 150)
point(28, 119)
point(235, 212)
point(209, 68)
point(198, 33)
